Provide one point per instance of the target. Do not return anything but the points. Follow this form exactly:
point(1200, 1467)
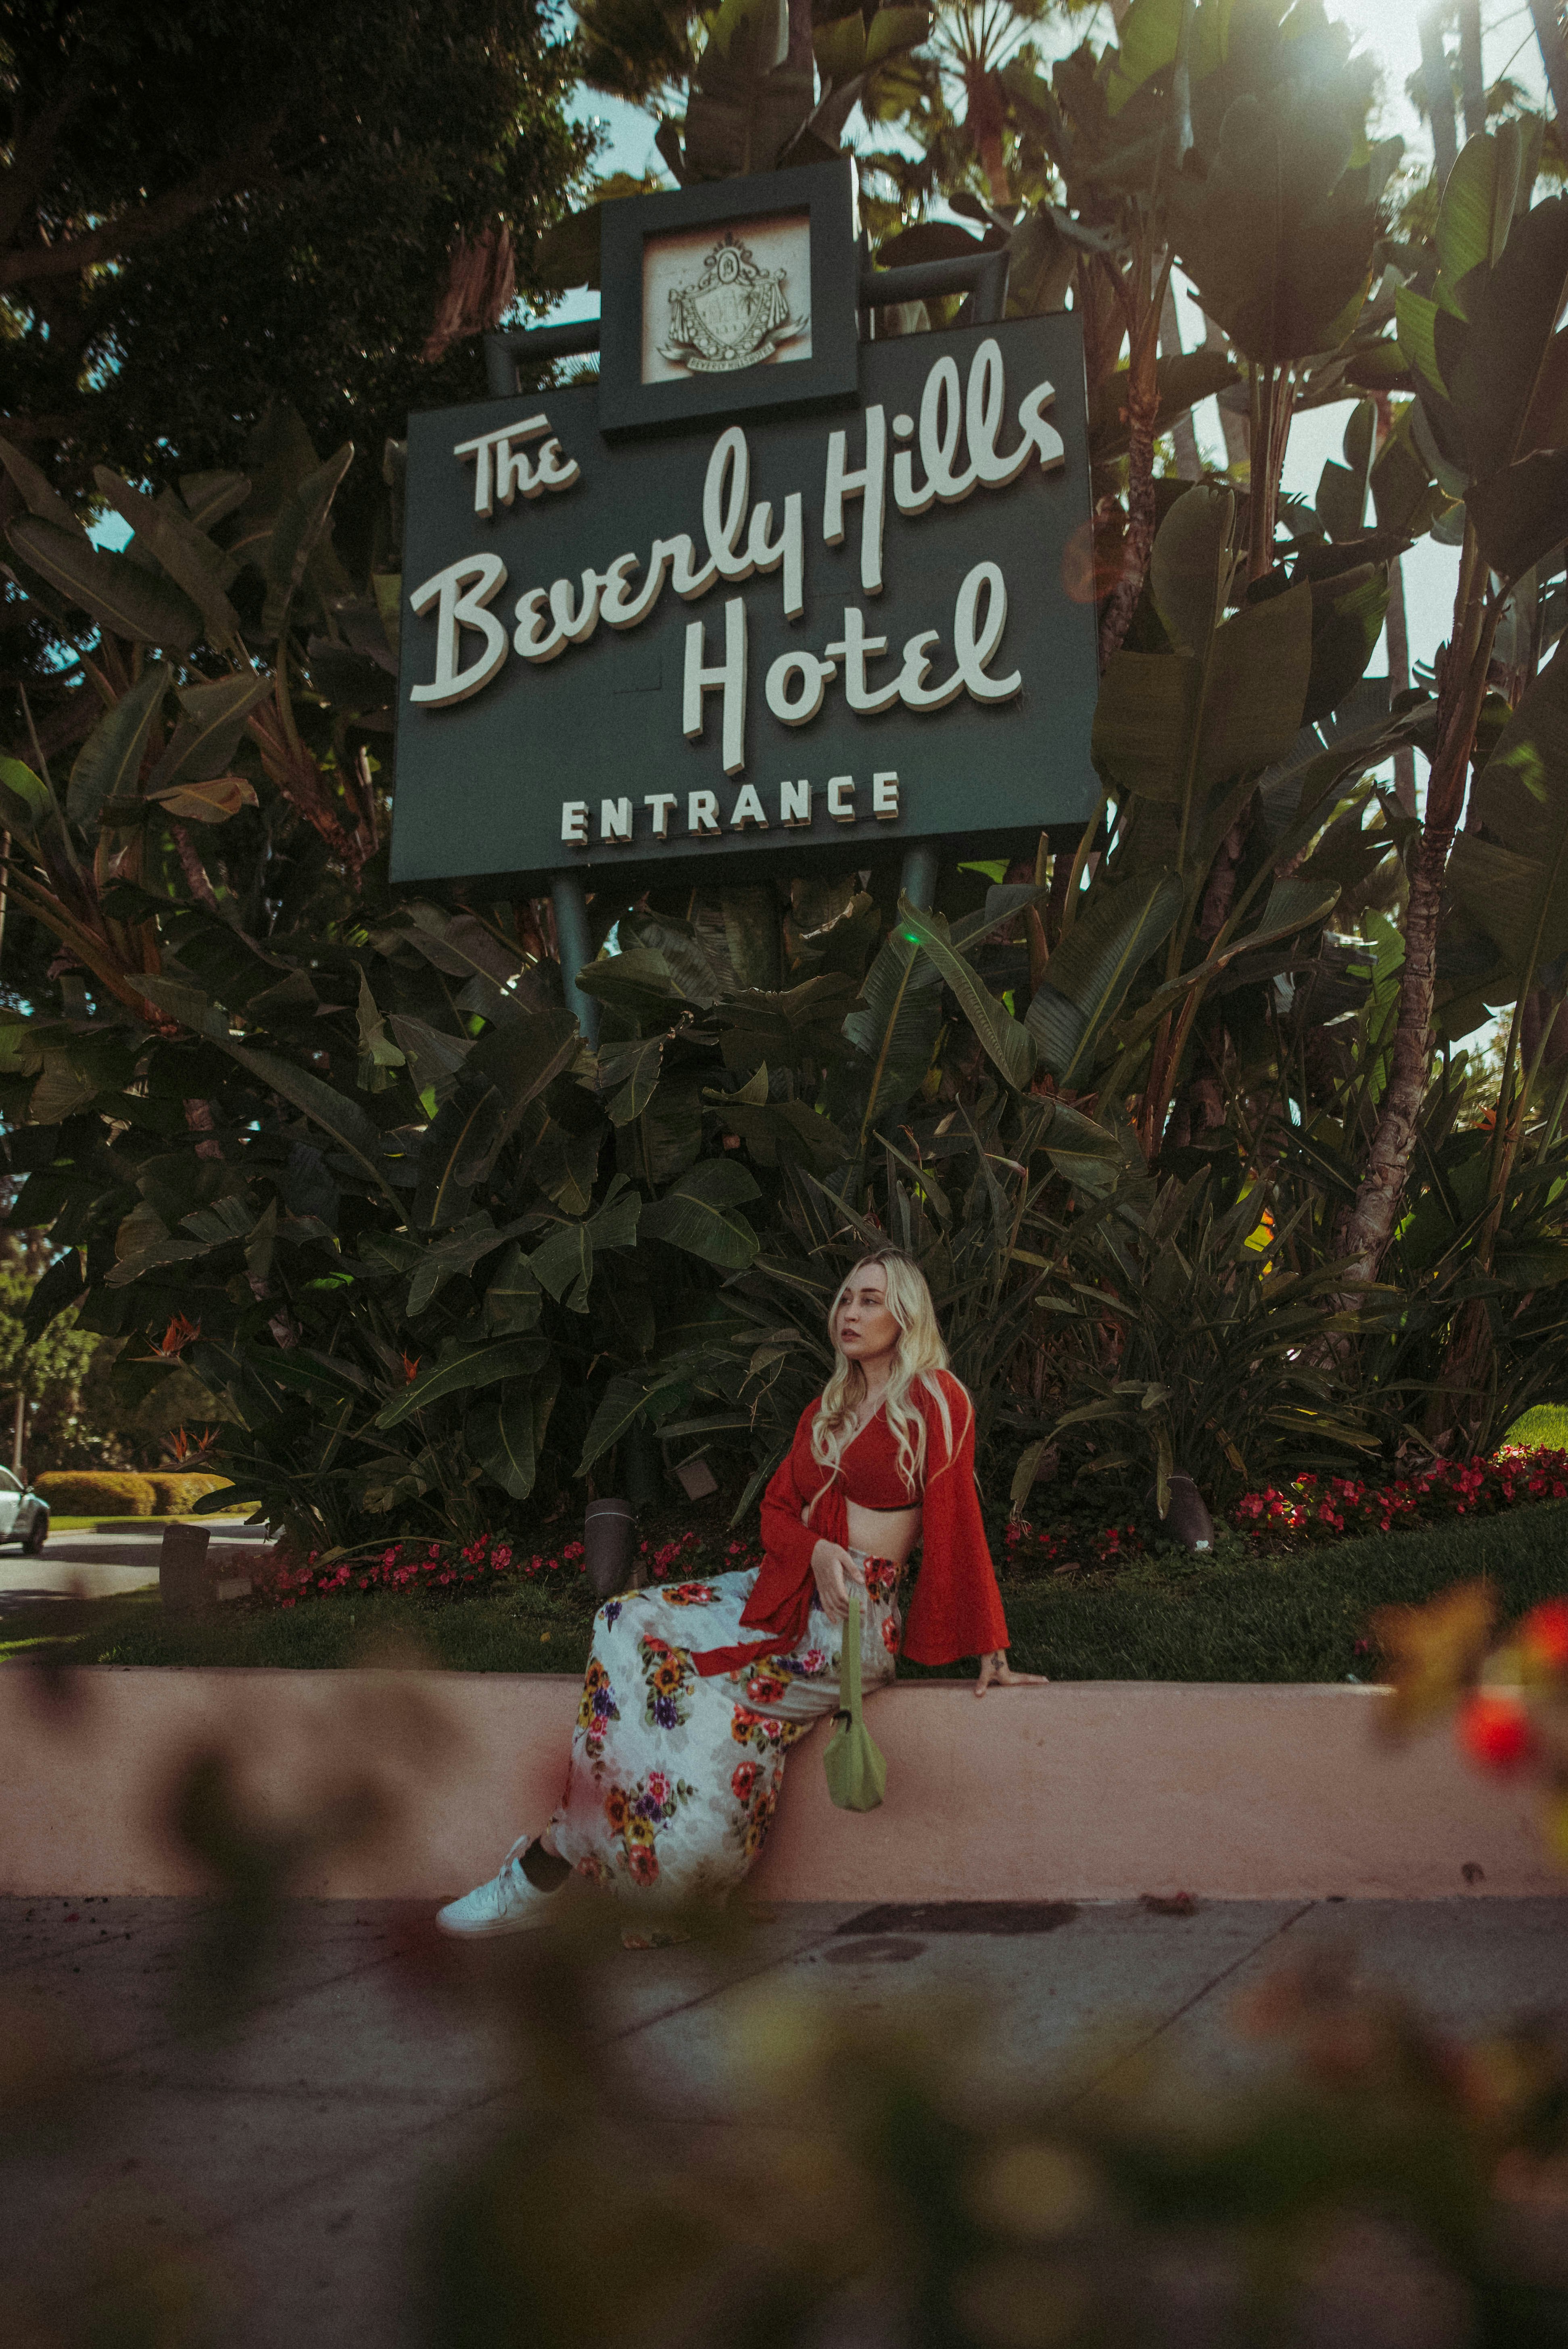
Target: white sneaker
point(508, 1903)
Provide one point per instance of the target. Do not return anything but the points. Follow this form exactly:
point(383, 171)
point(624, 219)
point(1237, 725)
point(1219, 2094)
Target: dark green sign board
point(797, 632)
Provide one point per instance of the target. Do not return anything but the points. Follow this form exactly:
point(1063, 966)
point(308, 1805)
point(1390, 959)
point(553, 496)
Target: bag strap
point(850, 1665)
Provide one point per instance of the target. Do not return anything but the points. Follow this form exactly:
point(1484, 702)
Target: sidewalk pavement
point(99, 1566)
point(299, 2157)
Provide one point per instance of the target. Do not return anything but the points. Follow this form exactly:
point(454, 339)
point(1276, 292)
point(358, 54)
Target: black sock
point(545, 1870)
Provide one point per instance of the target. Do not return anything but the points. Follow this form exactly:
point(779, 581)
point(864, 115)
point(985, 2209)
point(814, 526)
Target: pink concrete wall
point(1082, 1790)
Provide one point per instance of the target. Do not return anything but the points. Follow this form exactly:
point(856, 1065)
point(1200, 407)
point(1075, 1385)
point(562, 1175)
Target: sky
point(1388, 30)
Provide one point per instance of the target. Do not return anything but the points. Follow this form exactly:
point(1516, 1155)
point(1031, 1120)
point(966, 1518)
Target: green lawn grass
point(1230, 1617)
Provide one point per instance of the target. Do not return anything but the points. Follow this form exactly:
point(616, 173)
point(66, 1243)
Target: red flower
point(176, 1337)
point(1495, 1732)
point(644, 1866)
point(742, 1780)
point(1543, 1635)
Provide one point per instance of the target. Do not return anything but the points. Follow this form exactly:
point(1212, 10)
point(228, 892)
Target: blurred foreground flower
point(1507, 1699)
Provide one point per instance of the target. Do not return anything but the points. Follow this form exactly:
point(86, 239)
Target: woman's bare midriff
point(883, 1533)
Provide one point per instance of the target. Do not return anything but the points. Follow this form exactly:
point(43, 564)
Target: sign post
point(766, 590)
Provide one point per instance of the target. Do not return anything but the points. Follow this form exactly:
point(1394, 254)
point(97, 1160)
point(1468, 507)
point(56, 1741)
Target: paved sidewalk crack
point(274, 2001)
point(1126, 2054)
point(718, 1989)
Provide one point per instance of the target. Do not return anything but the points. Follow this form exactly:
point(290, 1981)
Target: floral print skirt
point(674, 1779)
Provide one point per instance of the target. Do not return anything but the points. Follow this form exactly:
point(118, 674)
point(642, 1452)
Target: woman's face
point(866, 1329)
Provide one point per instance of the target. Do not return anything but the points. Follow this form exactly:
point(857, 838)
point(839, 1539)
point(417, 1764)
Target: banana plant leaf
point(109, 762)
point(564, 1261)
point(500, 1431)
point(121, 597)
point(1006, 1040)
point(204, 570)
point(515, 1297)
point(701, 1213)
point(1277, 235)
point(626, 1401)
point(477, 1362)
point(1088, 977)
point(1512, 880)
point(296, 534)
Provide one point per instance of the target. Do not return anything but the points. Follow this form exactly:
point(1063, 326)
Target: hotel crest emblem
point(735, 315)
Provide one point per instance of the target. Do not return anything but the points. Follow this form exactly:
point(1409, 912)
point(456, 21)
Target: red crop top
point(956, 1609)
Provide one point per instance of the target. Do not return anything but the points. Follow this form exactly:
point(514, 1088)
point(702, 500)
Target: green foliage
point(1180, 1336)
point(45, 1364)
point(221, 206)
point(1278, 233)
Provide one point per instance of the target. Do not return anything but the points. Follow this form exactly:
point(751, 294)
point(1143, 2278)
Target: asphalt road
point(102, 1566)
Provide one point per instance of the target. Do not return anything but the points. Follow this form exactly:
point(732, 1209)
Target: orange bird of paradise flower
point(176, 1337)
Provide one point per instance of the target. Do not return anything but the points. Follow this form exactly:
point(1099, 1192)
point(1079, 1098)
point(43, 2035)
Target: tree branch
point(241, 168)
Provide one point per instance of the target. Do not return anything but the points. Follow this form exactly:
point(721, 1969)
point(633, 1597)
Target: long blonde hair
point(919, 1356)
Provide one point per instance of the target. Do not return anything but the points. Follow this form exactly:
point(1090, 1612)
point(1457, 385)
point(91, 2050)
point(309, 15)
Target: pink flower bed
point(284, 1578)
point(1328, 1508)
point(1314, 1508)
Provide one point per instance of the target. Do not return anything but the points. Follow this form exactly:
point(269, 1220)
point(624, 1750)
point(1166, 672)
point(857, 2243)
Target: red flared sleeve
point(779, 1606)
point(787, 1540)
point(956, 1609)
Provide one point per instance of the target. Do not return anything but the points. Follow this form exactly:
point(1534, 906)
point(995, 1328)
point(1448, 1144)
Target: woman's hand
point(995, 1670)
point(834, 1571)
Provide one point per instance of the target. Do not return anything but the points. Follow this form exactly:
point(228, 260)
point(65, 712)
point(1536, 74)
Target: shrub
point(86, 1491)
point(177, 1490)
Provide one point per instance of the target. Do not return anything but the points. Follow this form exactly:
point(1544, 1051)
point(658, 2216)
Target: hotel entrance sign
point(745, 624)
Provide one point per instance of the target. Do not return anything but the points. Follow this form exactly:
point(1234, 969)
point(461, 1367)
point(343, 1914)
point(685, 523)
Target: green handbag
point(856, 1767)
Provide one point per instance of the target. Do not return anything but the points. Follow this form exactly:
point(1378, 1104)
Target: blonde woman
point(695, 1695)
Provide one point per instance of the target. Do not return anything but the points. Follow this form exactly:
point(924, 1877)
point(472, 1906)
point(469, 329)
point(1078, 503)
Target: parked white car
point(24, 1518)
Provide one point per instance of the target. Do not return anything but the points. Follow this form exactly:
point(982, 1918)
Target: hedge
point(87, 1492)
point(123, 1493)
point(178, 1492)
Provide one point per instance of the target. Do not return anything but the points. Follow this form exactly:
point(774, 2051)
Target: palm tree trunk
point(1399, 682)
point(1399, 640)
point(985, 121)
point(1366, 1228)
point(1370, 1223)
